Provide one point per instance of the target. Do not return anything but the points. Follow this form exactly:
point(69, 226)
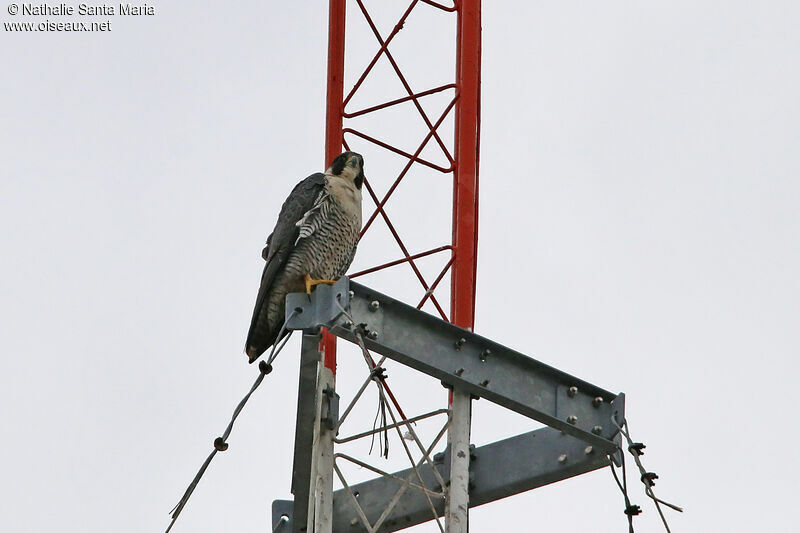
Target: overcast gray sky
point(639, 229)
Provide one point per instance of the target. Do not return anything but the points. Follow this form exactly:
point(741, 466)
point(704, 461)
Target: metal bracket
point(324, 305)
point(282, 516)
point(618, 412)
point(304, 433)
point(330, 408)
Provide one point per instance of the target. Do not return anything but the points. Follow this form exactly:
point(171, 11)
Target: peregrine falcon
point(313, 242)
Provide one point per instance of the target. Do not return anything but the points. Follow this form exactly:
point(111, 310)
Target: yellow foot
point(310, 282)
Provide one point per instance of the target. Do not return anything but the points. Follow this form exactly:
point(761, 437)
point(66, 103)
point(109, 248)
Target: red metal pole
point(465, 245)
point(465, 179)
point(333, 120)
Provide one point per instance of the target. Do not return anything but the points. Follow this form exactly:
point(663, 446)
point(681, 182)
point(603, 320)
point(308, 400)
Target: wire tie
point(378, 373)
point(636, 448)
point(633, 510)
point(264, 367)
point(220, 445)
point(649, 478)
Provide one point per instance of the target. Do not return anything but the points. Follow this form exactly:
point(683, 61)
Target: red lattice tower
point(463, 156)
point(462, 159)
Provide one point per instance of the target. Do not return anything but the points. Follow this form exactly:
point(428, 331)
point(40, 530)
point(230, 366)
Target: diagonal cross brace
point(462, 359)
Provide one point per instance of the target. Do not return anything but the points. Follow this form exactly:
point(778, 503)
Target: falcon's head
point(348, 165)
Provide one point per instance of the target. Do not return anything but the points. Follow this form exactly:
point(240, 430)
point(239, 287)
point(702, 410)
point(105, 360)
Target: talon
point(310, 282)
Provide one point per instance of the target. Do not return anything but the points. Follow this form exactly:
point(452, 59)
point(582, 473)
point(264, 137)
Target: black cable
point(277, 349)
point(647, 478)
point(630, 510)
point(220, 444)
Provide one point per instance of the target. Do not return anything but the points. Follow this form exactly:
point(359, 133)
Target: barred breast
point(329, 250)
point(326, 251)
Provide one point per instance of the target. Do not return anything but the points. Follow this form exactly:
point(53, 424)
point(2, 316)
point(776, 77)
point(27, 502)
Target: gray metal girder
point(497, 470)
point(304, 433)
point(461, 358)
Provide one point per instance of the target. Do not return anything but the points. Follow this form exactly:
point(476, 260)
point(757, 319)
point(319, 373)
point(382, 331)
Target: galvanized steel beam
point(463, 359)
point(458, 433)
point(497, 470)
point(304, 432)
point(322, 461)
